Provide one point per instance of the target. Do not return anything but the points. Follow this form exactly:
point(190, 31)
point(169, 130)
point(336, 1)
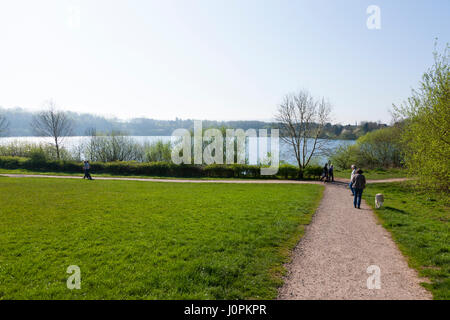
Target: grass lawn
point(144, 240)
point(420, 226)
point(374, 174)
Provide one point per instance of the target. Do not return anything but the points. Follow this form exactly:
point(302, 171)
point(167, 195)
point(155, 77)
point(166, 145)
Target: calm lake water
point(286, 152)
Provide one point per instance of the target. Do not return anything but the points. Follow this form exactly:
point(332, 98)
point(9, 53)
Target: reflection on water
point(286, 151)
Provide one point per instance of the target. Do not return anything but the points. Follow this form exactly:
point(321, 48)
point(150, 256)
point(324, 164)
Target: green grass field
point(374, 174)
point(143, 240)
point(420, 226)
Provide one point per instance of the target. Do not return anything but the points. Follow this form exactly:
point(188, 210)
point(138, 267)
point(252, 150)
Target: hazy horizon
point(115, 117)
point(215, 60)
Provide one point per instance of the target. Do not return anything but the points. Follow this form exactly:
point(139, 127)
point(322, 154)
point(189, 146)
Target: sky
point(217, 60)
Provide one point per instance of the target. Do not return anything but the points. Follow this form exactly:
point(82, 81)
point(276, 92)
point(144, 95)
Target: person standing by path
point(358, 185)
point(86, 168)
point(351, 178)
point(331, 173)
point(324, 173)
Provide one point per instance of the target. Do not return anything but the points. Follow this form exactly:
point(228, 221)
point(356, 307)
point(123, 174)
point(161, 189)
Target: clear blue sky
point(214, 59)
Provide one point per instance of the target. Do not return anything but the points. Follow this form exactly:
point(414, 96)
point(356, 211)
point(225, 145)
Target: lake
point(286, 152)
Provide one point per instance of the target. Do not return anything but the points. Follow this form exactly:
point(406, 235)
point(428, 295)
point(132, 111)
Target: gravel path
point(331, 260)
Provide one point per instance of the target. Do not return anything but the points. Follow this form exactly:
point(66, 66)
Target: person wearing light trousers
point(351, 178)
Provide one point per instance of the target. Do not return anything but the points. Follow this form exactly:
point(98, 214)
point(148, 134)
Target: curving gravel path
point(331, 260)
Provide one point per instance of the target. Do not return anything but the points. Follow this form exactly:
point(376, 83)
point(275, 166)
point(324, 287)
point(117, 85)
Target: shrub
point(113, 146)
point(219, 171)
point(70, 166)
point(164, 169)
point(158, 151)
point(186, 170)
point(37, 157)
point(287, 171)
point(25, 149)
point(11, 162)
point(314, 171)
point(377, 149)
point(345, 156)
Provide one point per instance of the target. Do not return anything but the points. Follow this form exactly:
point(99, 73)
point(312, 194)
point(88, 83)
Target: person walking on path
point(358, 185)
point(324, 173)
point(331, 173)
point(86, 168)
point(351, 178)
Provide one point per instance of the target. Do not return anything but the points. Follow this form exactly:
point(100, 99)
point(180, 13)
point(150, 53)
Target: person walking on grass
point(86, 168)
point(331, 173)
point(351, 178)
point(358, 185)
point(324, 173)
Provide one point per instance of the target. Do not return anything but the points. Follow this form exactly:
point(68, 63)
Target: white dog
point(379, 199)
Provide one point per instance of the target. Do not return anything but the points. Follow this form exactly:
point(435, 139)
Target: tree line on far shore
point(19, 125)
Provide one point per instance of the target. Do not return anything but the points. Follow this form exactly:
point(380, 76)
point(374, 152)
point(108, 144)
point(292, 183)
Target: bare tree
point(52, 123)
point(301, 119)
point(3, 124)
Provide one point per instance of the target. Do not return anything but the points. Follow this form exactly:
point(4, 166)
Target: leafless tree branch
point(4, 124)
point(52, 123)
point(302, 119)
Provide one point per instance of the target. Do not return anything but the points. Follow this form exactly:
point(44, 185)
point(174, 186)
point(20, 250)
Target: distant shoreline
point(138, 136)
point(20, 119)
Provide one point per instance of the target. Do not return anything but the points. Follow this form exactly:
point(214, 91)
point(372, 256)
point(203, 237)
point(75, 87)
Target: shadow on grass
point(395, 210)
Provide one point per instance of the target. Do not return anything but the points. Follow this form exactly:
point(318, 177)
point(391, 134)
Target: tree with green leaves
point(381, 148)
point(426, 124)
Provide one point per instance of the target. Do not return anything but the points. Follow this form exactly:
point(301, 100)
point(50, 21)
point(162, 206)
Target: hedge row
point(162, 169)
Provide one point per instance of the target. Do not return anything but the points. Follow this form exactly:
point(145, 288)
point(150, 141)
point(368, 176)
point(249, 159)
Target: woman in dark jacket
point(358, 185)
point(86, 168)
point(324, 173)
